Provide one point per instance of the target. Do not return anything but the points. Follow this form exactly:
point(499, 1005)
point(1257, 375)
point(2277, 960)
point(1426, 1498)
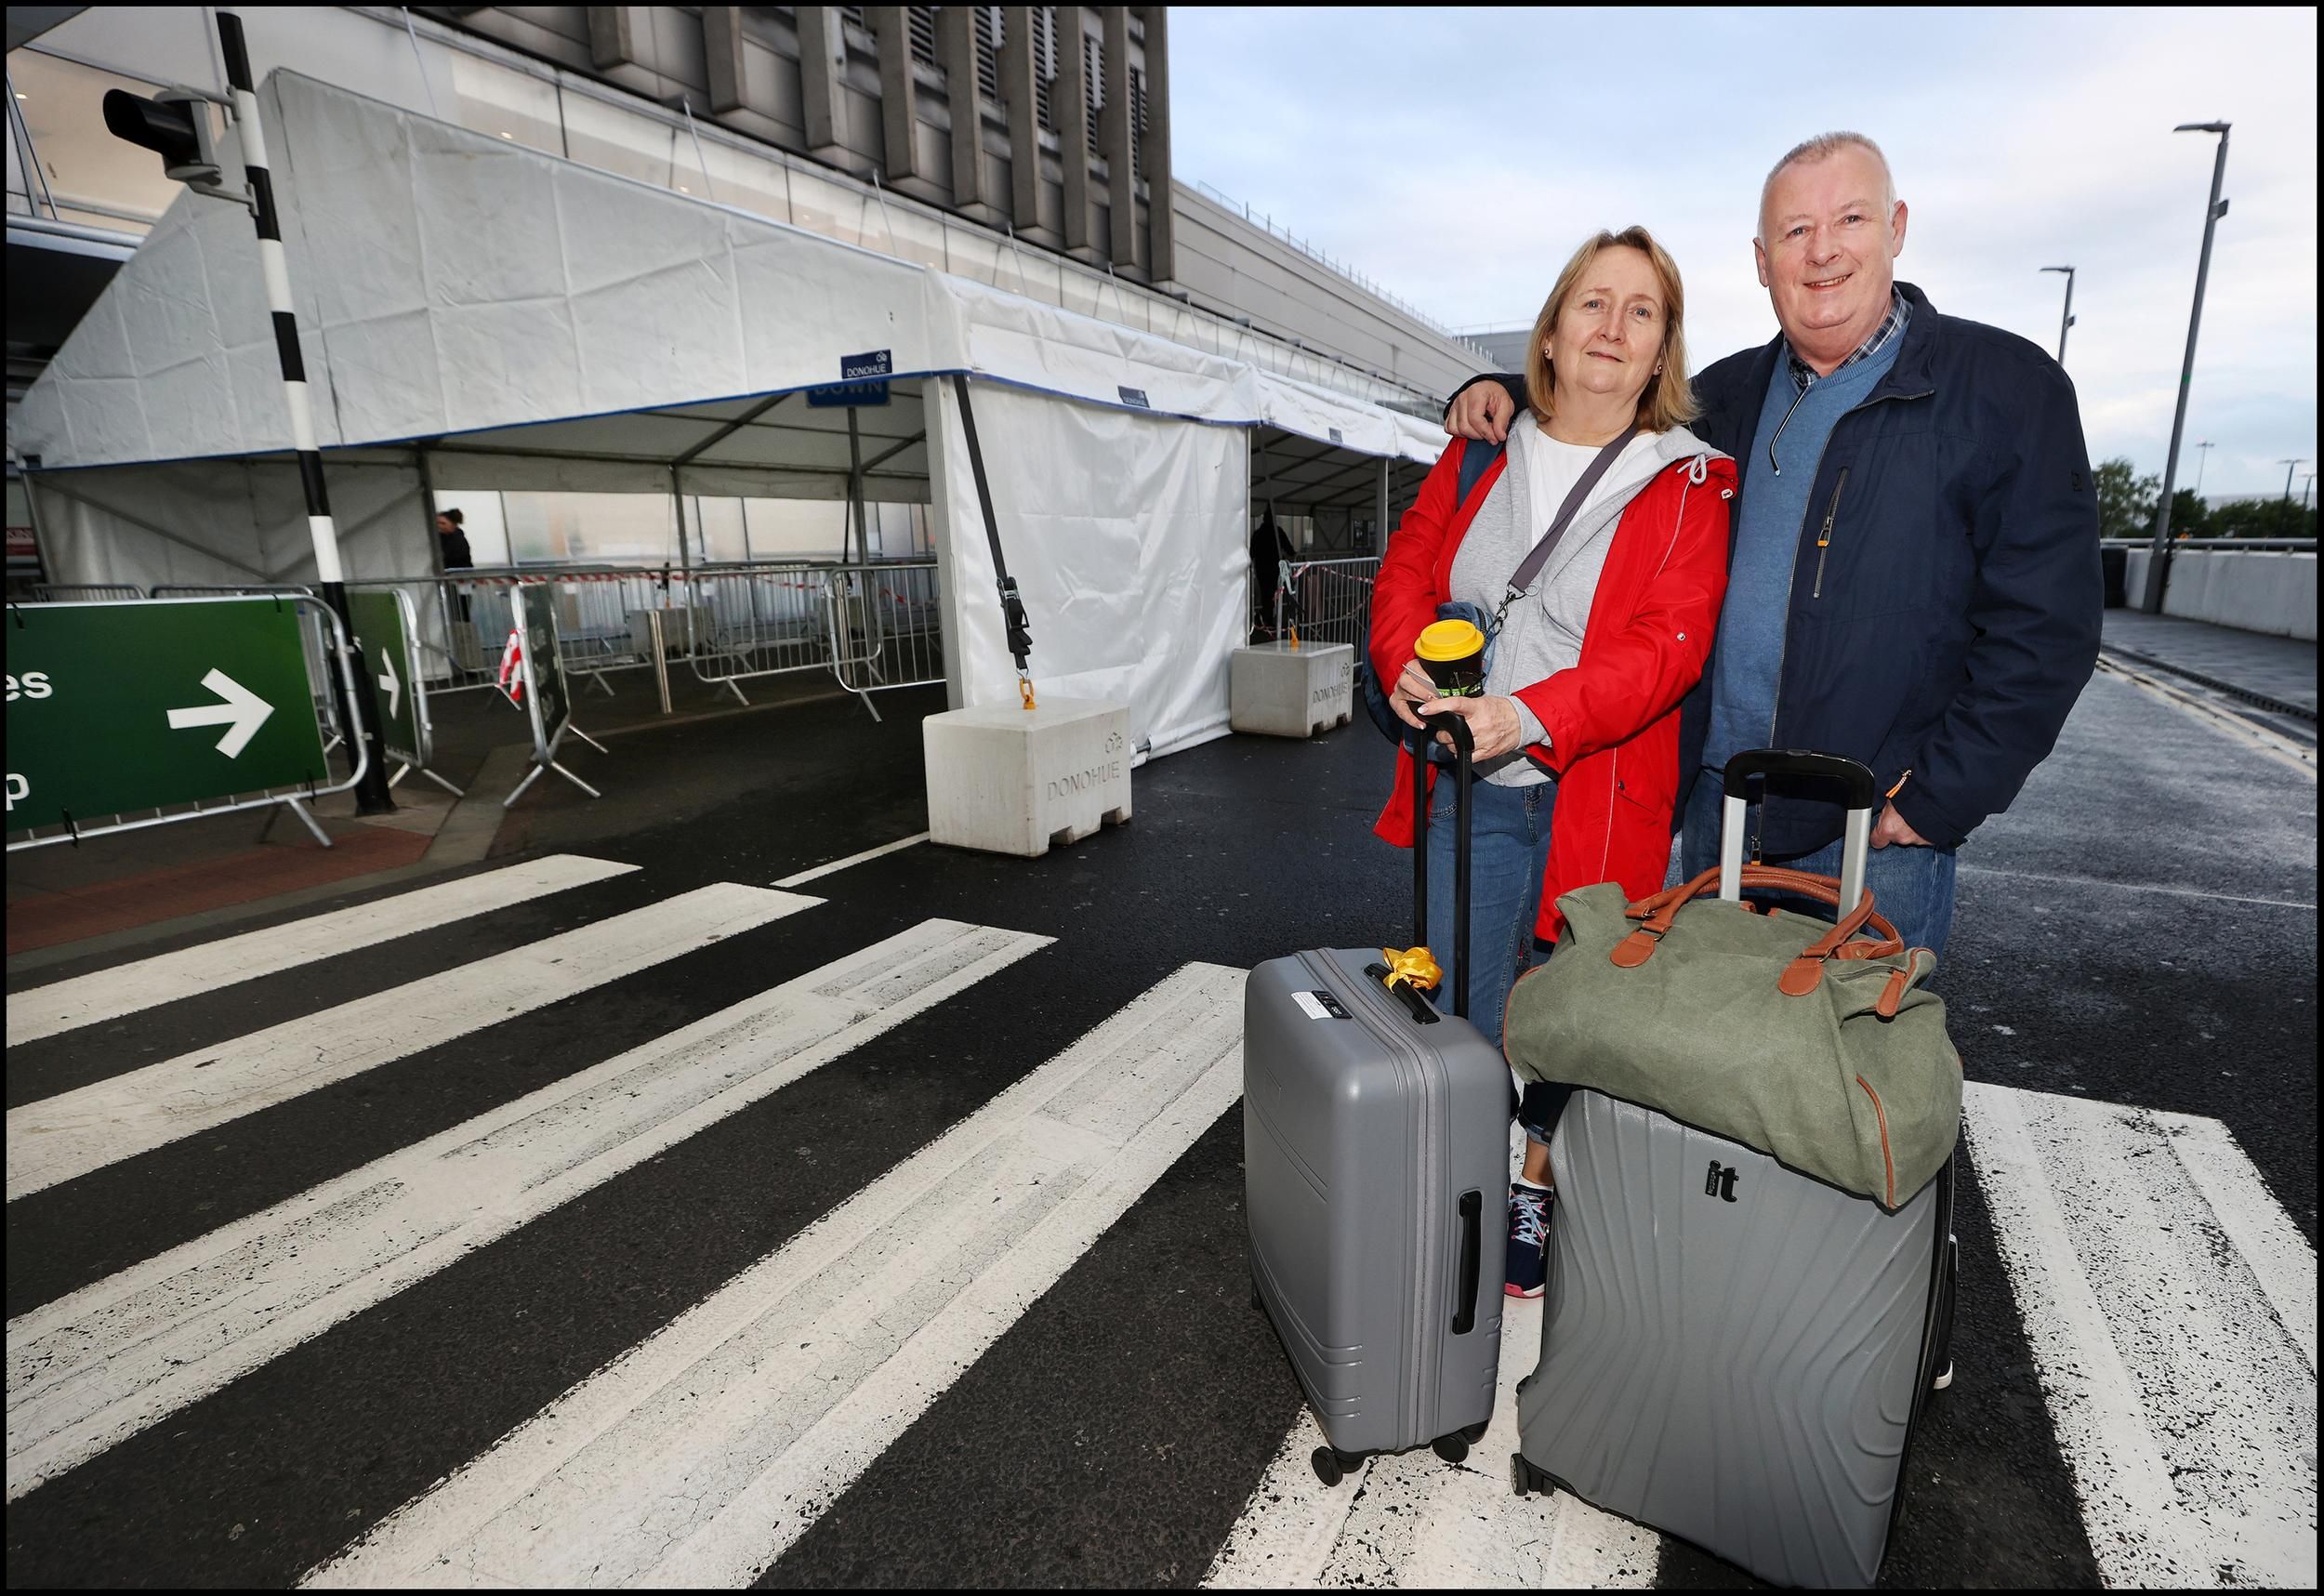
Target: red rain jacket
point(1613, 720)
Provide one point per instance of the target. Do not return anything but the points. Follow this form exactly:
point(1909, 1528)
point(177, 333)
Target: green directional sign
point(115, 707)
point(387, 652)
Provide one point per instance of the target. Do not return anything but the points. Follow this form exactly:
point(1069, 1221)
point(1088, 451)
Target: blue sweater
point(1771, 536)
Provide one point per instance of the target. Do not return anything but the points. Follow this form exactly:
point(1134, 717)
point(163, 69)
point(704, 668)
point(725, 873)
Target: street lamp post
point(2158, 559)
point(2201, 461)
point(2066, 317)
point(2306, 487)
point(2290, 467)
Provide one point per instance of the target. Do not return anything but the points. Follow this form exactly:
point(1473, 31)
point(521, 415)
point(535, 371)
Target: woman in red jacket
point(1576, 726)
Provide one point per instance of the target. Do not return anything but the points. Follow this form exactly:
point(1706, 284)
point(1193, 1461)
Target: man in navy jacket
point(1914, 573)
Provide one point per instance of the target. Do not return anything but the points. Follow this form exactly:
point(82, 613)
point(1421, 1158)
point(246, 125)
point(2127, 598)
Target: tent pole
point(855, 488)
point(1379, 510)
point(370, 787)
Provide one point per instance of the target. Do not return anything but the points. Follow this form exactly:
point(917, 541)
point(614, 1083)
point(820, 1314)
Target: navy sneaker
point(1529, 1236)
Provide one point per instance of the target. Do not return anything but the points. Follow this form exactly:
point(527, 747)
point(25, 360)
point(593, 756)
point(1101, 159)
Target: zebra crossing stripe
point(166, 978)
point(696, 1457)
point(2179, 1367)
point(94, 1367)
point(74, 1132)
point(1416, 1522)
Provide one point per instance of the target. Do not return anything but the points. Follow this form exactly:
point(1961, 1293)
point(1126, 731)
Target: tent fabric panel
point(1317, 413)
point(1128, 537)
point(989, 331)
point(227, 522)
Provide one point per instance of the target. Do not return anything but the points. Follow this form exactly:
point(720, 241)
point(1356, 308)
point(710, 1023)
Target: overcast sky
point(1456, 157)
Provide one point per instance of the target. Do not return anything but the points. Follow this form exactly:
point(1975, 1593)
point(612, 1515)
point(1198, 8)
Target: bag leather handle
point(1658, 913)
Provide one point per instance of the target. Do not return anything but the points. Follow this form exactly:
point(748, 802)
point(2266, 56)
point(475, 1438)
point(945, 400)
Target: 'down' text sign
point(114, 707)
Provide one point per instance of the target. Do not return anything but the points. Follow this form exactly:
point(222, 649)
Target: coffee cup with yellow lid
point(1453, 654)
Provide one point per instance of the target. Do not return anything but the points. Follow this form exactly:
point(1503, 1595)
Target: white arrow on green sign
point(241, 712)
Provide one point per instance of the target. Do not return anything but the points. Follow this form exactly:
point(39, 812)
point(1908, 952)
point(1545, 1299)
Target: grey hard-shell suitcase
point(1734, 1352)
point(1376, 1164)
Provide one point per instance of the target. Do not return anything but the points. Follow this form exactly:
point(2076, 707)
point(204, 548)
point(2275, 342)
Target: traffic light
point(174, 124)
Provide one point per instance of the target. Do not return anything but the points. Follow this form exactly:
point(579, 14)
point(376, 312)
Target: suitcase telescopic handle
point(1464, 746)
point(1859, 790)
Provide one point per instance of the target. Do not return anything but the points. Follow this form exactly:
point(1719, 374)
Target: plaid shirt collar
point(1891, 327)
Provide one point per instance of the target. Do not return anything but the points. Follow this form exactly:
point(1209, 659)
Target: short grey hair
point(1816, 148)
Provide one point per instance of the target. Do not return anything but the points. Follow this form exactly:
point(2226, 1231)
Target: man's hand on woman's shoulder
point(1482, 411)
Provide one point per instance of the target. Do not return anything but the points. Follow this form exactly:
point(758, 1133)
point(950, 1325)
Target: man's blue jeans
point(1508, 847)
point(1913, 888)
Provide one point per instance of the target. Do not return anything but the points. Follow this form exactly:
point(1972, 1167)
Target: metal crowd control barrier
point(748, 621)
point(234, 701)
point(872, 626)
point(1327, 600)
point(465, 617)
point(885, 626)
point(84, 592)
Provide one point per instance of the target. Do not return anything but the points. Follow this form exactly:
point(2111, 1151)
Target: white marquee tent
point(494, 317)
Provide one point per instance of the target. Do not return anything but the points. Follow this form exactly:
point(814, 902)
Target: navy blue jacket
point(1958, 614)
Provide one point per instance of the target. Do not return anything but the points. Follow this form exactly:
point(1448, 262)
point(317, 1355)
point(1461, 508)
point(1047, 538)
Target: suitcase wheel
point(1524, 1478)
point(1333, 1467)
point(1453, 1449)
point(1475, 1433)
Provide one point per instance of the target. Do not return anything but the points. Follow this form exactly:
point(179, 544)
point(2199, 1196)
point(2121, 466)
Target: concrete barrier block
point(1282, 691)
point(1007, 780)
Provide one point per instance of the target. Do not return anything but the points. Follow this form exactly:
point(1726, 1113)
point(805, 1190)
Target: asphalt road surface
point(641, 1212)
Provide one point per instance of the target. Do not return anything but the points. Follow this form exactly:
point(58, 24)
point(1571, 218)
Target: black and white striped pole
point(371, 794)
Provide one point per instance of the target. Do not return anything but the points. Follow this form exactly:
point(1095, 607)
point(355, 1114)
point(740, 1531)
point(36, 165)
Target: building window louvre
point(1093, 84)
point(1044, 65)
point(990, 36)
point(919, 21)
point(854, 14)
point(1138, 121)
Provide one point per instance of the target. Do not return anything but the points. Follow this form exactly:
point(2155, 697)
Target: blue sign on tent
point(847, 396)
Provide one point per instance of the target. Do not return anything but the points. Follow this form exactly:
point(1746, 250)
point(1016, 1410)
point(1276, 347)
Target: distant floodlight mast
point(2159, 557)
point(2068, 313)
point(2201, 461)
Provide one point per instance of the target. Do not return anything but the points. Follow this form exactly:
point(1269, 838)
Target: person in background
point(452, 536)
point(1575, 730)
point(451, 542)
point(1914, 580)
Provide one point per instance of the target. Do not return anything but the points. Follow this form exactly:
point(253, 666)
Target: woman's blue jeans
point(1508, 847)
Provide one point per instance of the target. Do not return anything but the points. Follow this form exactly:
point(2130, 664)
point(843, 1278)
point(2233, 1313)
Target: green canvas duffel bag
point(1818, 1044)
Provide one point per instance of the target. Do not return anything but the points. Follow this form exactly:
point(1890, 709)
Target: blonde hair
point(1668, 401)
point(1819, 148)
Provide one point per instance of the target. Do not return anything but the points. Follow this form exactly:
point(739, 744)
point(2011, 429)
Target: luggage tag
point(1319, 1005)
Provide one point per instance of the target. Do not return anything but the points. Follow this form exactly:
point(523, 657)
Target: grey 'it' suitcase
point(1375, 1163)
point(1734, 1352)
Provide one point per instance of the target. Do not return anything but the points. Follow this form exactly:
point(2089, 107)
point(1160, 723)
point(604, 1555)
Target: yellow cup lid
point(1449, 639)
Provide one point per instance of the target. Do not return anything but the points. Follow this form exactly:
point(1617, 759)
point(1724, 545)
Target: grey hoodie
point(1542, 633)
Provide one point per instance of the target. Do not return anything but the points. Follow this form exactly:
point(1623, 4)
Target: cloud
point(1457, 156)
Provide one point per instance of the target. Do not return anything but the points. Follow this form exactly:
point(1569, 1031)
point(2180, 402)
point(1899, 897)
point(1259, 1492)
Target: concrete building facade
point(852, 121)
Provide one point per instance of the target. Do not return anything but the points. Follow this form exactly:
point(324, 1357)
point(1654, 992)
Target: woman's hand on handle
point(1494, 723)
point(1413, 688)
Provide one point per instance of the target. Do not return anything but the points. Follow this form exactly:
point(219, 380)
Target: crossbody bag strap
point(1523, 577)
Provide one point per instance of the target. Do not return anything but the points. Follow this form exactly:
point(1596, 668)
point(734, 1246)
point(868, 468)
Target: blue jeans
point(1509, 848)
point(1913, 888)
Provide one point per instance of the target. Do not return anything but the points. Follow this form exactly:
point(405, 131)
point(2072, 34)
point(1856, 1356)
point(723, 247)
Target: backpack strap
point(1477, 458)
